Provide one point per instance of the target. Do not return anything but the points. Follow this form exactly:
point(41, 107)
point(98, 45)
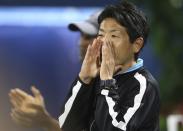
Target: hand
point(90, 67)
point(29, 110)
point(108, 67)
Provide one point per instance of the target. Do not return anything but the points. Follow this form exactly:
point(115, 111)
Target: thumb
point(36, 93)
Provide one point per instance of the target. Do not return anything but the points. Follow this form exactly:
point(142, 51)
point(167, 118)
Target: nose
point(103, 38)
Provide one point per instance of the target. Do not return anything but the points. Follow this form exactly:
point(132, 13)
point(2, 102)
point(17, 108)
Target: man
point(113, 91)
point(30, 111)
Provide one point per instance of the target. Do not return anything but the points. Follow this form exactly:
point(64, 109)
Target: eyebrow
point(112, 30)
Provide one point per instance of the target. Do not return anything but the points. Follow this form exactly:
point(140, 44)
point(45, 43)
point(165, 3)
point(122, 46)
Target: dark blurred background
point(59, 3)
point(36, 48)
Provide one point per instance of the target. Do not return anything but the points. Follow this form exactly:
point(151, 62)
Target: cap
point(89, 26)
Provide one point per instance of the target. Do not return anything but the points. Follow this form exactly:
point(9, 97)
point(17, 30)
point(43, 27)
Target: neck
point(127, 65)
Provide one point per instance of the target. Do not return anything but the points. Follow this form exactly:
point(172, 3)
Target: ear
point(137, 45)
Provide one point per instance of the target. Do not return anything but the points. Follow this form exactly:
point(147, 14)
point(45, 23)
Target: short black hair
point(129, 16)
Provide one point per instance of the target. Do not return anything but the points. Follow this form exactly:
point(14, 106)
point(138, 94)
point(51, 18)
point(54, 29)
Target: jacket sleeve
point(135, 110)
point(74, 113)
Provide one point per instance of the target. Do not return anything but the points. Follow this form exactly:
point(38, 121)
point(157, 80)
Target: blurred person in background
point(30, 110)
point(113, 90)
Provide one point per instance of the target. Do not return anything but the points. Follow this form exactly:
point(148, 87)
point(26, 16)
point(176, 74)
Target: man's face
point(85, 40)
point(110, 30)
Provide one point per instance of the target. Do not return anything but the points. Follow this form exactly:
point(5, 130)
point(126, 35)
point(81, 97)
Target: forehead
point(111, 25)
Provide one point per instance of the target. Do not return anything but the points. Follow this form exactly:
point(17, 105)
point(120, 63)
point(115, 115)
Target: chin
point(118, 62)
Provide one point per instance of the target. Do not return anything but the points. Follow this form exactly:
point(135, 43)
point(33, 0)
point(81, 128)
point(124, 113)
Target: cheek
point(118, 50)
point(122, 49)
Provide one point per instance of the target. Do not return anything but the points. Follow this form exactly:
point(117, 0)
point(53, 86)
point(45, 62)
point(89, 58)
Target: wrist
point(47, 120)
point(106, 78)
point(108, 83)
point(51, 124)
point(103, 77)
point(85, 79)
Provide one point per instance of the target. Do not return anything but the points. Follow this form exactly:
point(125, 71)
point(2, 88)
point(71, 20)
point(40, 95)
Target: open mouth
point(101, 55)
point(99, 59)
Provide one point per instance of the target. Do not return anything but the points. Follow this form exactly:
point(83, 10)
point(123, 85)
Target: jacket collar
point(138, 65)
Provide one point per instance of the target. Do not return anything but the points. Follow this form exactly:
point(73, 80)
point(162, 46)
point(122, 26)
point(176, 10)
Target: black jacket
point(131, 105)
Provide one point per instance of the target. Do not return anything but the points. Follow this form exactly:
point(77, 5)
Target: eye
point(114, 36)
point(100, 35)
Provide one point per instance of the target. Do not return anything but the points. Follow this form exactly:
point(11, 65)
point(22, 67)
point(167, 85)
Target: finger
point(26, 112)
point(104, 52)
point(95, 48)
point(94, 44)
point(99, 48)
point(88, 52)
point(36, 93)
point(20, 120)
point(111, 45)
point(109, 48)
point(18, 100)
point(110, 55)
point(97, 53)
point(11, 97)
point(12, 93)
point(15, 101)
point(19, 95)
point(17, 113)
point(36, 107)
